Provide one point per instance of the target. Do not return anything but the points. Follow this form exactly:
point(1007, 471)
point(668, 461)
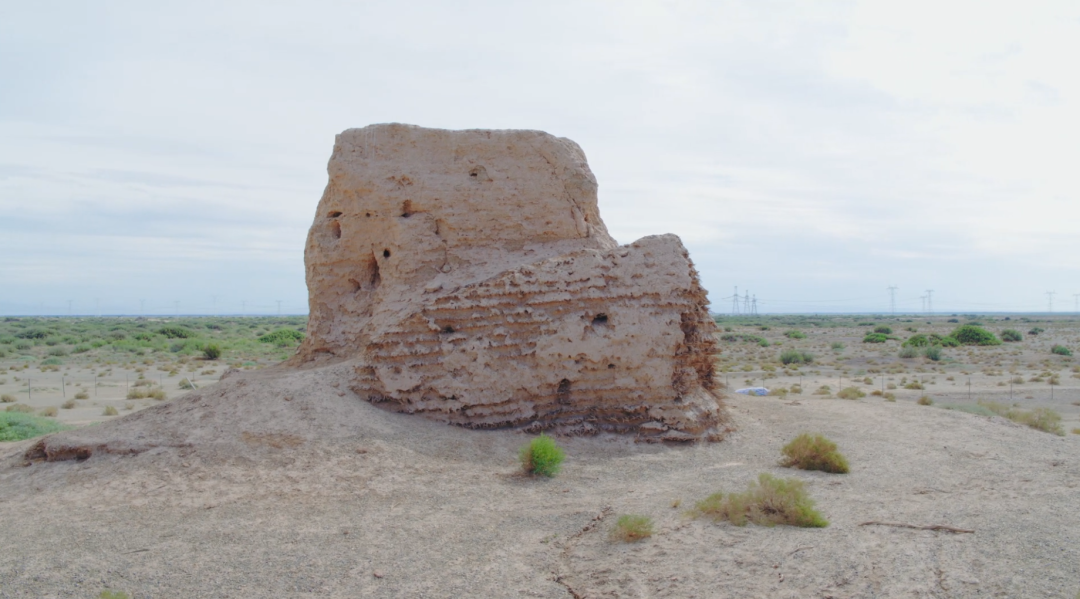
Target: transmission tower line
point(1050, 300)
point(735, 302)
point(892, 298)
point(930, 302)
point(746, 303)
point(753, 306)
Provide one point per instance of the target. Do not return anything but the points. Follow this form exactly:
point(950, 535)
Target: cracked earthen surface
point(467, 276)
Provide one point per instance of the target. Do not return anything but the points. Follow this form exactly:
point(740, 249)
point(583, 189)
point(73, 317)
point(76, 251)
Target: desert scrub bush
point(890, 397)
point(767, 502)
point(109, 411)
point(794, 334)
point(1035, 331)
point(884, 330)
point(1061, 350)
point(58, 352)
point(850, 393)
point(1011, 335)
point(541, 456)
point(174, 332)
point(16, 426)
point(7, 398)
point(185, 384)
point(823, 390)
point(49, 412)
point(632, 527)
point(1043, 419)
point(20, 408)
point(925, 401)
point(158, 394)
point(69, 404)
point(283, 337)
point(837, 346)
point(813, 452)
point(875, 338)
point(212, 352)
point(932, 353)
point(795, 356)
point(970, 334)
point(915, 386)
point(908, 352)
point(1076, 431)
point(138, 393)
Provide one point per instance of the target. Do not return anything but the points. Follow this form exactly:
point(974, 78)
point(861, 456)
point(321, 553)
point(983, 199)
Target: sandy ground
point(280, 484)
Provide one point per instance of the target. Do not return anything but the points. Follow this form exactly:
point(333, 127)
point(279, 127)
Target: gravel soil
point(281, 483)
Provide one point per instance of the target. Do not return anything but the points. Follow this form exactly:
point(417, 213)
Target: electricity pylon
point(892, 298)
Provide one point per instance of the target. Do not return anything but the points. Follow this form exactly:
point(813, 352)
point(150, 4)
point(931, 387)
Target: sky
point(167, 157)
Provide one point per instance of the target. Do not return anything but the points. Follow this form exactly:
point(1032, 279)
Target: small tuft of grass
point(767, 502)
point(850, 393)
point(813, 452)
point(632, 527)
point(16, 426)
point(114, 595)
point(541, 456)
point(925, 401)
point(82, 395)
point(109, 411)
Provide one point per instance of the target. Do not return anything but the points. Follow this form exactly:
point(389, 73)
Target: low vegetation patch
point(932, 353)
point(925, 401)
point(1011, 335)
point(813, 452)
point(541, 456)
point(970, 334)
point(1061, 350)
point(875, 338)
point(7, 398)
point(283, 337)
point(907, 352)
point(16, 426)
point(767, 502)
point(794, 334)
point(850, 393)
point(1043, 419)
point(632, 527)
point(795, 356)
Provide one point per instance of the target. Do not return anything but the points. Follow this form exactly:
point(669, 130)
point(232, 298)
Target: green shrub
point(541, 456)
point(793, 334)
point(813, 452)
point(794, 356)
point(850, 393)
point(837, 346)
point(52, 362)
point(908, 352)
point(932, 353)
point(16, 426)
point(174, 332)
point(212, 352)
point(113, 595)
point(1011, 335)
point(875, 338)
point(970, 334)
point(1035, 331)
point(1061, 350)
point(58, 351)
point(632, 527)
point(884, 330)
point(23, 345)
point(283, 337)
point(81, 348)
point(919, 340)
point(925, 401)
point(948, 341)
point(767, 502)
point(32, 334)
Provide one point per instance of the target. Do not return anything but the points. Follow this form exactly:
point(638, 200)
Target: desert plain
point(275, 482)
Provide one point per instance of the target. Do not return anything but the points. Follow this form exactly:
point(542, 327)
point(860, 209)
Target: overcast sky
point(169, 156)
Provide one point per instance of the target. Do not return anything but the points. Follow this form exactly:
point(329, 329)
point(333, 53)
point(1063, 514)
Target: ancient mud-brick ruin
point(467, 276)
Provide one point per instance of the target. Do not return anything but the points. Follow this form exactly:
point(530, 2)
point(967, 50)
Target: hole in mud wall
point(386, 253)
point(562, 394)
point(478, 173)
point(335, 229)
point(610, 366)
point(375, 279)
point(600, 320)
point(447, 330)
point(334, 214)
point(406, 209)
